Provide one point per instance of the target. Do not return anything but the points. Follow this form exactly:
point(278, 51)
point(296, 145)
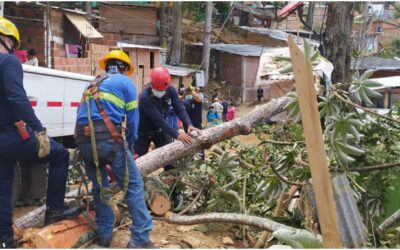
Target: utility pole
point(177, 39)
point(2, 8)
point(310, 14)
point(206, 42)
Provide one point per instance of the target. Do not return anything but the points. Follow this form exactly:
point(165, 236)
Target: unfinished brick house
point(74, 41)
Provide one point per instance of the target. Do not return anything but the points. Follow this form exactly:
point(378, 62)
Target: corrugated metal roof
point(239, 49)
point(388, 82)
point(179, 71)
point(139, 46)
point(276, 34)
point(376, 63)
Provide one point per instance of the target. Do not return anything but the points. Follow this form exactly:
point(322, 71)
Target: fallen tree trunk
point(156, 196)
point(242, 219)
point(168, 154)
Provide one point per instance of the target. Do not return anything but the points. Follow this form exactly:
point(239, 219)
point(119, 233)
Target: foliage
point(197, 9)
point(391, 50)
point(361, 87)
point(297, 239)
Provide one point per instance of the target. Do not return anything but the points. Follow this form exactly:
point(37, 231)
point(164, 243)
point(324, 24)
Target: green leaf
point(307, 49)
point(367, 74)
point(297, 239)
point(372, 84)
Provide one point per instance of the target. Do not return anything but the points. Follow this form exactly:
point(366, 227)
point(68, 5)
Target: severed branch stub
point(174, 151)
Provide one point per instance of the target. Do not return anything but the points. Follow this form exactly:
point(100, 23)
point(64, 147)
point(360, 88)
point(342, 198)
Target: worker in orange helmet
point(154, 103)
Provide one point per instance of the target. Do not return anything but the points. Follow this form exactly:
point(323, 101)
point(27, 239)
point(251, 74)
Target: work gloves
point(43, 143)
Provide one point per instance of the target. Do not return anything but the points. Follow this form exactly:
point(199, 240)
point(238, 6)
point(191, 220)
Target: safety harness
point(92, 91)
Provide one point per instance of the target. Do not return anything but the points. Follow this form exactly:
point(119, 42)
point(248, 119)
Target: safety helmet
point(118, 55)
point(9, 29)
point(160, 78)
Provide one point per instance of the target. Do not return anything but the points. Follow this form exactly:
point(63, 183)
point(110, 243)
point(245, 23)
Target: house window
point(72, 40)
point(151, 60)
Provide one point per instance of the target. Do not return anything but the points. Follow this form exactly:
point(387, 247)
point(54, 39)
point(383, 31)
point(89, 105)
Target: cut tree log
point(242, 219)
point(167, 154)
point(156, 196)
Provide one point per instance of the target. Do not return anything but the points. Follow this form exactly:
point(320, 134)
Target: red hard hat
point(160, 78)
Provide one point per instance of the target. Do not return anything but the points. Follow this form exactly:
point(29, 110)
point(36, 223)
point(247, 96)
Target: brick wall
point(29, 21)
point(88, 65)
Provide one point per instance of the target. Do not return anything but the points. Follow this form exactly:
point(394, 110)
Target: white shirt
point(218, 106)
point(34, 62)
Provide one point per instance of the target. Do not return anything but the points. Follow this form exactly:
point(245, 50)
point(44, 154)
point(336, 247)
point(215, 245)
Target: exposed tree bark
point(167, 154)
point(156, 196)
point(206, 42)
point(241, 219)
point(389, 222)
point(310, 14)
point(337, 39)
point(177, 39)
point(163, 24)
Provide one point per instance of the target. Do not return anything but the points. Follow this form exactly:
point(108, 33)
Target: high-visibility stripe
point(131, 105)
point(54, 104)
point(74, 104)
point(112, 98)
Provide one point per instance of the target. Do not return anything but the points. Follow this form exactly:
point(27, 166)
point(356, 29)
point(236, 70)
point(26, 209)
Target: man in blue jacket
point(154, 103)
point(111, 99)
point(23, 138)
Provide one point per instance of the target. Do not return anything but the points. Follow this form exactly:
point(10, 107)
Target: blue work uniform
point(15, 106)
point(194, 110)
point(154, 126)
point(119, 98)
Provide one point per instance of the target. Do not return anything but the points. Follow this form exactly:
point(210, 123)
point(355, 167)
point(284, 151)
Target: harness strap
point(94, 91)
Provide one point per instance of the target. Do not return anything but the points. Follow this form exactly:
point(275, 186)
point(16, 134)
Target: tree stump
point(156, 196)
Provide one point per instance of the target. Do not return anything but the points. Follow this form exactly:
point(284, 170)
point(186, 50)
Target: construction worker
point(23, 138)
point(154, 102)
point(111, 98)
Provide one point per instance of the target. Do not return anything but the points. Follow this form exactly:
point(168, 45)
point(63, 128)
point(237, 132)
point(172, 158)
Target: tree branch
point(377, 167)
point(192, 203)
point(363, 108)
point(284, 179)
point(389, 222)
point(241, 219)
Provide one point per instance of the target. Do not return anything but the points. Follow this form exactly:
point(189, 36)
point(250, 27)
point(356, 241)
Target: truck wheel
point(16, 188)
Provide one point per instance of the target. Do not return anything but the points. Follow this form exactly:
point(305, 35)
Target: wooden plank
point(321, 180)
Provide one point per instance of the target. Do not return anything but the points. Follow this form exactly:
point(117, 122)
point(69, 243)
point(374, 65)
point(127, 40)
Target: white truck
point(55, 96)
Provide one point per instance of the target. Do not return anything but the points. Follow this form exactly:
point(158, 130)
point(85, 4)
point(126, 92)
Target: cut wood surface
point(63, 234)
point(156, 196)
point(168, 154)
point(321, 179)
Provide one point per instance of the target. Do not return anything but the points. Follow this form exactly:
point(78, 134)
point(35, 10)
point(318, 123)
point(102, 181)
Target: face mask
point(189, 97)
point(157, 93)
point(112, 70)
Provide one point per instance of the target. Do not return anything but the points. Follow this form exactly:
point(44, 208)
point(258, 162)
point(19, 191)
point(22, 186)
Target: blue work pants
point(13, 149)
point(142, 222)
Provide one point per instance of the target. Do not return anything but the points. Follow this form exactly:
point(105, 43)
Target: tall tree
point(206, 42)
point(163, 23)
point(337, 39)
point(177, 39)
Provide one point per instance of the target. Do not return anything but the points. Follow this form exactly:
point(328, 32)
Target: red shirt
point(22, 55)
